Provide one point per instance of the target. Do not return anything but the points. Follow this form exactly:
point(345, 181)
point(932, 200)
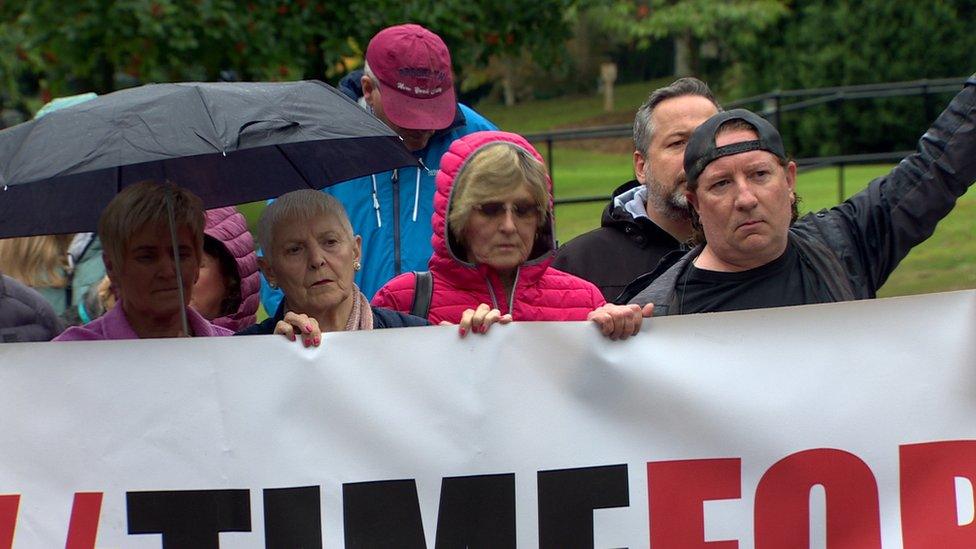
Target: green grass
point(252, 212)
point(572, 111)
point(583, 173)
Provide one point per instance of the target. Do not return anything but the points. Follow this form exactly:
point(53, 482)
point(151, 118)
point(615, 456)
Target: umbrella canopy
point(227, 142)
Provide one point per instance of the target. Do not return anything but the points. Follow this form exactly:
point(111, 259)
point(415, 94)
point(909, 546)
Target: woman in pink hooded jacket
point(226, 293)
point(494, 241)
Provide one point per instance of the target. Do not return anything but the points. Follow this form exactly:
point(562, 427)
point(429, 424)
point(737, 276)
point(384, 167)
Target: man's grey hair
point(644, 129)
point(302, 205)
point(368, 72)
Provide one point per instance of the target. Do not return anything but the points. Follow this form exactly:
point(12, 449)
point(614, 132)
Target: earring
point(272, 285)
point(357, 265)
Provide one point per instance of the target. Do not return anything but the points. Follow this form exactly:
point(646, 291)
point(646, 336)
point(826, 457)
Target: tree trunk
point(104, 75)
point(508, 82)
point(315, 68)
point(683, 45)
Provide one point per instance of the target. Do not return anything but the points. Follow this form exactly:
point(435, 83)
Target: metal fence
point(772, 106)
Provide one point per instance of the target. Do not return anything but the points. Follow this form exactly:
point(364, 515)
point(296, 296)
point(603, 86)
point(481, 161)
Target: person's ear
point(791, 178)
point(692, 199)
point(640, 167)
point(368, 88)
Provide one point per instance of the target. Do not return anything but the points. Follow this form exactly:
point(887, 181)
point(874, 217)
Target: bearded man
point(648, 216)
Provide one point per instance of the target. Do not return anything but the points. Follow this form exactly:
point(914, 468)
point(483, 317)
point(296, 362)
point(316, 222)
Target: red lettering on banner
point(782, 508)
point(83, 526)
point(675, 492)
point(928, 493)
point(8, 519)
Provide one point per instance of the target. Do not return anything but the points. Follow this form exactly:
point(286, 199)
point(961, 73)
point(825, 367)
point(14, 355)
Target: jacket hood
point(351, 85)
point(622, 203)
point(447, 253)
point(228, 226)
point(619, 215)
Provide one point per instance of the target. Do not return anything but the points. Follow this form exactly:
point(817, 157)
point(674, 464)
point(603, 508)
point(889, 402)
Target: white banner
point(843, 426)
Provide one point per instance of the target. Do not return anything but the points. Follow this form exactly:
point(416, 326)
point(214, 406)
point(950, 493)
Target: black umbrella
point(227, 142)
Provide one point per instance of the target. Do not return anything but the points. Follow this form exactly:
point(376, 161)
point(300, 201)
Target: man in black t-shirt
point(741, 187)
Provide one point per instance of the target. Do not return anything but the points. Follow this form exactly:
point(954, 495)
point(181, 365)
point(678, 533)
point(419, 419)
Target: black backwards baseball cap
point(701, 150)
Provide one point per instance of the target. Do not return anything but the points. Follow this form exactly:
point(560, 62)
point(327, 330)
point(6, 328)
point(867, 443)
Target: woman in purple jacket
point(139, 260)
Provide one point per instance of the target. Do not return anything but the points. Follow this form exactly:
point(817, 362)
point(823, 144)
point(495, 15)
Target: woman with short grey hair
point(311, 253)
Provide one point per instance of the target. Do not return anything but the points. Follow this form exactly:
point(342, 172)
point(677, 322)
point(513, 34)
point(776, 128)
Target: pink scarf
point(361, 317)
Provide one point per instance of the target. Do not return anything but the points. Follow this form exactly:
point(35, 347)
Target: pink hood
point(445, 258)
point(229, 227)
point(540, 293)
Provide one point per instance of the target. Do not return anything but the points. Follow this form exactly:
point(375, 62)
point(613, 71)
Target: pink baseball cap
point(413, 67)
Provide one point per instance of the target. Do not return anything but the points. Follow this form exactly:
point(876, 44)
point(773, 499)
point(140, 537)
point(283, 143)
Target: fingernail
point(484, 329)
point(462, 331)
point(316, 341)
point(308, 328)
point(308, 342)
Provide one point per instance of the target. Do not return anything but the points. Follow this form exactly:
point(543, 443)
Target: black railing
point(802, 164)
point(772, 106)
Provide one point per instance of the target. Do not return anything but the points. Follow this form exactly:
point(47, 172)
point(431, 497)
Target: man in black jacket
point(742, 189)
point(647, 217)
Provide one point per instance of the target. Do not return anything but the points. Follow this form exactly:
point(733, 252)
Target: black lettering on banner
point(477, 512)
point(567, 498)
point(292, 518)
point(189, 519)
point(382, 515)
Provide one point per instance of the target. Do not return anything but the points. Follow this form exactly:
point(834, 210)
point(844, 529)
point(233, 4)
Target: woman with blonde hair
point(62, 268)
point(40, 262)
point(494, 243)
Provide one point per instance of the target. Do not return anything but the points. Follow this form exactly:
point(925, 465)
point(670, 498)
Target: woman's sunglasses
point(521, 210)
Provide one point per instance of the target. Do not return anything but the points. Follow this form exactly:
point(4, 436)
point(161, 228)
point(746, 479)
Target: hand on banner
point(479, 320)
point(296, 325)
point(620, 321)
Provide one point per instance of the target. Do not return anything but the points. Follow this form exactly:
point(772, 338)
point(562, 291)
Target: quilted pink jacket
point(228, 226)
point(540, 293)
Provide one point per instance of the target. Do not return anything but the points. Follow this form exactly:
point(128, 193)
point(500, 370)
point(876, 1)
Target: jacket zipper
point(491, 293)
point(396, 222)
point(511, 298)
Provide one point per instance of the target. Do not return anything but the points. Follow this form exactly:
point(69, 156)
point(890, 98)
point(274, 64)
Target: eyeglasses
point(521, 210)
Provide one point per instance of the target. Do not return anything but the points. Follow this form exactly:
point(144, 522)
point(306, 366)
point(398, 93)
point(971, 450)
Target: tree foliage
point(703, 19)
point(842, 42)
point(99, 45)
point(689, 22)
